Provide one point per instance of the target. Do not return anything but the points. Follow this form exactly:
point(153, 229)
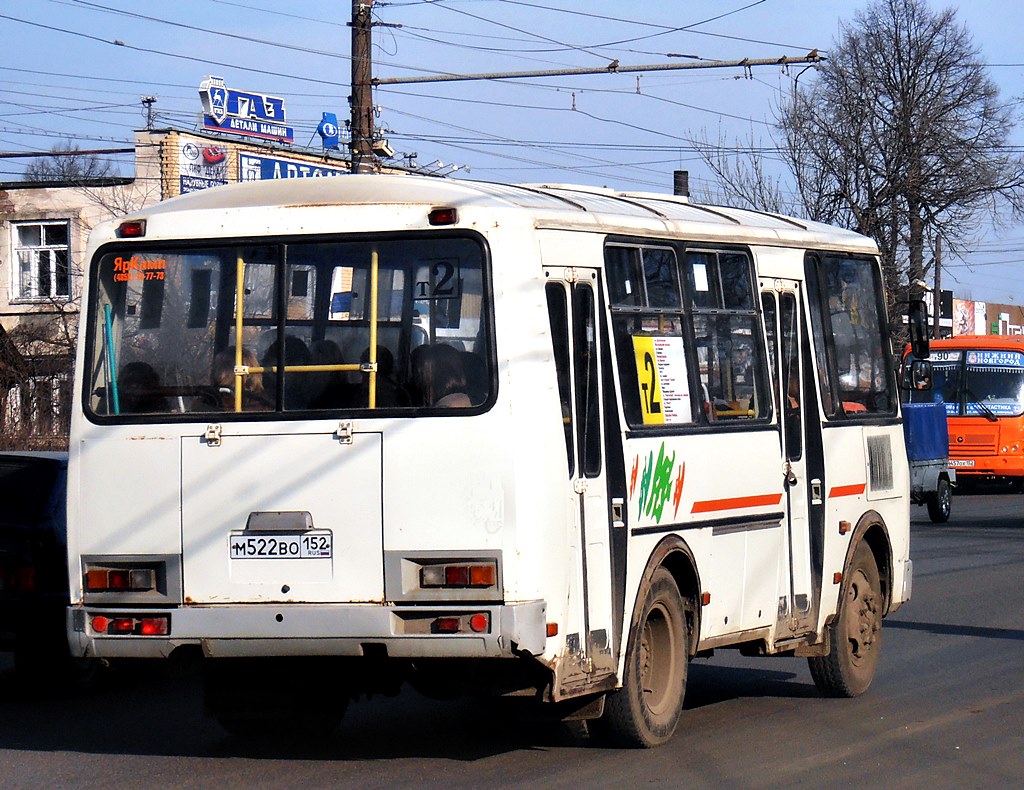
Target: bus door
point(572, 298)
point(803, 488)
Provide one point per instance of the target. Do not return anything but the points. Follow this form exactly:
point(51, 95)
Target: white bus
point(336, 435)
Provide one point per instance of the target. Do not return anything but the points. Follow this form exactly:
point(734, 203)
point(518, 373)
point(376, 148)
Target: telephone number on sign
point(280, 547)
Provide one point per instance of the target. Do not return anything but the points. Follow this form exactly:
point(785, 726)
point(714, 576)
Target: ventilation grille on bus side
point(880, 462)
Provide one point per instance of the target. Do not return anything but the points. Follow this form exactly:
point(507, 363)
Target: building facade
point(44, 229)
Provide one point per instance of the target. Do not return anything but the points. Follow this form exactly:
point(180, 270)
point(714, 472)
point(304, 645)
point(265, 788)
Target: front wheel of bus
point(940, 504)
point(646, 710)
point(855, 636)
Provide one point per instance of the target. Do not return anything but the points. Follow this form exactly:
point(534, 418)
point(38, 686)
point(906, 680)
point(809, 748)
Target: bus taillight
point(133, 229)
point(459, 575)
point(120, 579)
point(159, 625)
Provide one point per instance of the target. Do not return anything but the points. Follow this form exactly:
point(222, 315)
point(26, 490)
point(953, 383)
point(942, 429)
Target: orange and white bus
point(335, 435)
point(981, 380)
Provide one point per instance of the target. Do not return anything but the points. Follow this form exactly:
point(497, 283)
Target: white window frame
point(25, 263)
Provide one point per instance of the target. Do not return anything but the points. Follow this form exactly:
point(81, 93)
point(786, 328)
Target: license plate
point(304, 546)
point(963, 462)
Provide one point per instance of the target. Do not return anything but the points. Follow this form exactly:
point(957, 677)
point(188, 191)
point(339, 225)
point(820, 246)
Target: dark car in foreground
point(33, 564)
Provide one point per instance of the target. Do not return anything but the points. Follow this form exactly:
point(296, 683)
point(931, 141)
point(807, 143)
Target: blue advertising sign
point(243, 112)
point(328, 131)
point(265, 168)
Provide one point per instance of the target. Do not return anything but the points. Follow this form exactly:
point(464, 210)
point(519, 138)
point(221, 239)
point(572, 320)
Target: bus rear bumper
point(253, 630)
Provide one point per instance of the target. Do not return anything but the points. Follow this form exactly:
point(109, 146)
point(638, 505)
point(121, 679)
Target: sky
point(75, 71)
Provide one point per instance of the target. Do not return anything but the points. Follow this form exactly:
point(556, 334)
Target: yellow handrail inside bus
point(239, 297)
point(374, 261)
point(250, 370)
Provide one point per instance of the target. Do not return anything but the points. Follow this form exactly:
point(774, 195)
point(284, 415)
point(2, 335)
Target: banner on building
point(252, 167)
point(201, 166)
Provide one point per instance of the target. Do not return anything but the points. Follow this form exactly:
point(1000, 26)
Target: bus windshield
point(980, 383)
point(287, 327)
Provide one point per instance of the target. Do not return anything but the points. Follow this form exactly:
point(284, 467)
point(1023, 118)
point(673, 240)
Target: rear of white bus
point(339, 486)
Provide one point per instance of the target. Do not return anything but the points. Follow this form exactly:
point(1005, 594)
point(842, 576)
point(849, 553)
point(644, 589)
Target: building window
point(42, 256)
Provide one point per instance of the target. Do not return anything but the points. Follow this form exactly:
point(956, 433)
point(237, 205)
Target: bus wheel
point(646, 710)
point(940, 504)
point(855, 636)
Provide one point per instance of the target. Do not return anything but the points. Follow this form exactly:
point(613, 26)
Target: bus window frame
point(279, 319)
point(686, 313)
point(823, 338)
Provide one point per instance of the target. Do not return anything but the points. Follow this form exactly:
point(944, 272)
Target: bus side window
point(558, 315)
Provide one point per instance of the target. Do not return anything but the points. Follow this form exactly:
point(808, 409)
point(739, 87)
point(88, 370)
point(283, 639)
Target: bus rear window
point(253, 328)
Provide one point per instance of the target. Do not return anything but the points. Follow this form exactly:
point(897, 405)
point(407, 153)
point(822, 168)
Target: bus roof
point(1015, 342)
point(549, 205)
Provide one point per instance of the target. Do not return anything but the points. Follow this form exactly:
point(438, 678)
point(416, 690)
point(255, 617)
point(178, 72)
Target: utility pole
point(148, 102)
point(361, 126)
point(937, 289)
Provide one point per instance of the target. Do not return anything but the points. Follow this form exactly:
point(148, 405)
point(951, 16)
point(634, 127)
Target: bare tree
point(66, 163)
point(902, 136)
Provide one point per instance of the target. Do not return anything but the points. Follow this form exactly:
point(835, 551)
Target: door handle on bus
point(618, 512)
point(816, 492)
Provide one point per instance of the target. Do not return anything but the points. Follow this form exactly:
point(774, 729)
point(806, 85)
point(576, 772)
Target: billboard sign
point(243, 112)
point(253, 167)
point(201, 166)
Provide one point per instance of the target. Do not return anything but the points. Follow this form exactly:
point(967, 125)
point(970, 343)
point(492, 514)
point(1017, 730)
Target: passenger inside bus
point(139, 387)
point(438, 377)
point(254, 398)
point(296, 385)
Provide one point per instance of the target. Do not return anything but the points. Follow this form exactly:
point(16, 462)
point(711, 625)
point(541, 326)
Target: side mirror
point(920, 375)
point(918, 319)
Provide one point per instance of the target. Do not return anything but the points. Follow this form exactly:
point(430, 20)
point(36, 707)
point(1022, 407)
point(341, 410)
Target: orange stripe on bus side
point(854, 490)
point(735, 503)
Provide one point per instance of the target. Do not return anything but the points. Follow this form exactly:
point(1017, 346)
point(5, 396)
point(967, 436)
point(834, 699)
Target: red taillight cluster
point(459, 575)
point(17, 578)
point(120, 580)
point(119, 625)
point(478, 623)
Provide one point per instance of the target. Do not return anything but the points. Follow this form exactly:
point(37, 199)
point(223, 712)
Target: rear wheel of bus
point(855, 636)
point(646, 710)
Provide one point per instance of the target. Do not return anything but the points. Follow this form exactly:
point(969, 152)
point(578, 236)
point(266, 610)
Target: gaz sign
point(243, 112)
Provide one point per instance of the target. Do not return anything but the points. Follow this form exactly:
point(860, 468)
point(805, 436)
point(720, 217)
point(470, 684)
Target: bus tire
point(940, 503)
point(855, 636)
point(646, 710)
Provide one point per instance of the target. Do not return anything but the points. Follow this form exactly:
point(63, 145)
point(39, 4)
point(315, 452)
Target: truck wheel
point(855, 635)
point(940, 504)
point(646, 710)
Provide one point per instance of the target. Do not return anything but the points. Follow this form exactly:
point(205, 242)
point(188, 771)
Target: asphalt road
point(946, 710)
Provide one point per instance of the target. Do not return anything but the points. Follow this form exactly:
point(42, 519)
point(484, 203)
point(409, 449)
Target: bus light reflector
point(447, 625)
point(121, 625)
point(456, 576)
point(481, 576)
point(552, 629)
point(134, 229)
point(155, 626)
point(480, 623)
point(142, 579)
point(118, 580)
point(443, 216)
point(100, 624)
